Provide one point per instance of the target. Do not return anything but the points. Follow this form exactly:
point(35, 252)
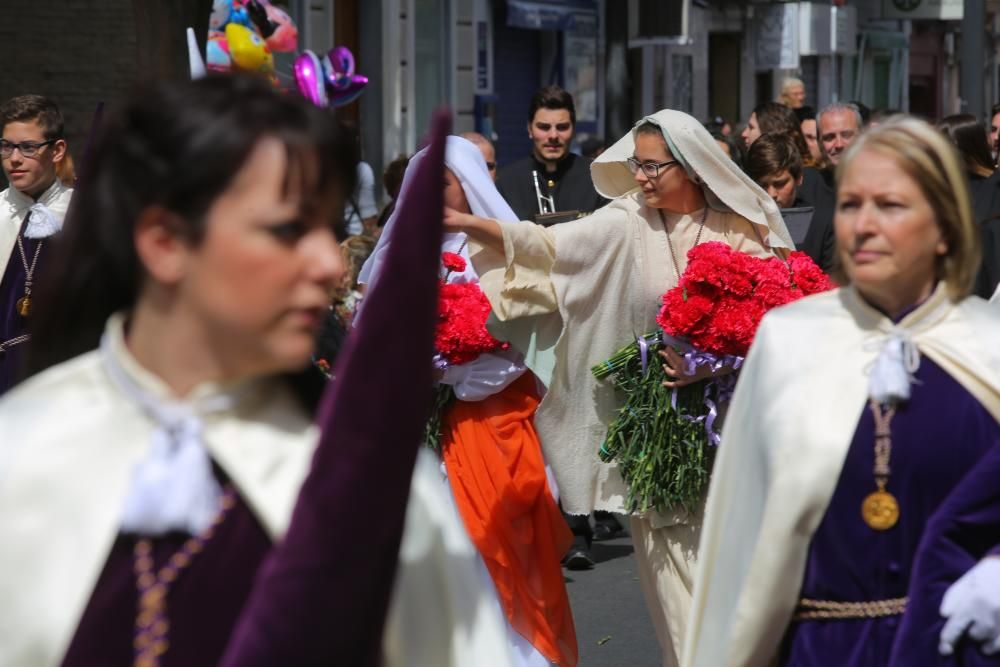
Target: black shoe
point(578, 558)
point(605, 531)
point(606, 526)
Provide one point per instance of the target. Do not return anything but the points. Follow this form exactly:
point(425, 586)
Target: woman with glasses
point(571, 295)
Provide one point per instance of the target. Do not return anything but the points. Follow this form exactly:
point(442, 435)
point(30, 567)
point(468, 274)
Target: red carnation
point(453, 261)
point(723, 294)
point(807, 276)
point(461, 334)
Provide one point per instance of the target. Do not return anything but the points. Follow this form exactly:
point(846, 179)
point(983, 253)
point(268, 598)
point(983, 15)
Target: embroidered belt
point(12, 342)
point(825, 610)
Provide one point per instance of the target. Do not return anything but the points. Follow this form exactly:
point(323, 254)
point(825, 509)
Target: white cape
point(789, 426)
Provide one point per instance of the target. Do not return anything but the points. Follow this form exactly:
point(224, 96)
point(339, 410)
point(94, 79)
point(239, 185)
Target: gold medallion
point(24, 306)
point(880, 510)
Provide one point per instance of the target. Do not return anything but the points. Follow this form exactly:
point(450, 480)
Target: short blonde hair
point(932, 162)
point(786, 86)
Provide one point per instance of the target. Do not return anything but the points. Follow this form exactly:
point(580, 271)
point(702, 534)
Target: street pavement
point(612, 624)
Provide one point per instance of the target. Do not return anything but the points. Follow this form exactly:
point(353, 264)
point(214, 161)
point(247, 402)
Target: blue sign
point(547, 14)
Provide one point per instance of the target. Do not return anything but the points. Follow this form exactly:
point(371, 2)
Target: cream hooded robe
point(579, 291)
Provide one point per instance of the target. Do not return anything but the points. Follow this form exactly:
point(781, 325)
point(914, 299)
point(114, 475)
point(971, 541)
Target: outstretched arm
point(482, 230)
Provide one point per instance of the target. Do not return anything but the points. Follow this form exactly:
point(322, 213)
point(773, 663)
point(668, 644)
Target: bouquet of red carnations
point(461, 334)
point(662, 439)
point(463, 309)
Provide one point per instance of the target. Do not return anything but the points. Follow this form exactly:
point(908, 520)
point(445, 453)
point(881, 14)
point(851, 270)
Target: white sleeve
point(366, 191)
point(489, 374)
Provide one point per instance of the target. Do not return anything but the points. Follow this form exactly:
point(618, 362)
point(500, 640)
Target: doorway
point(724, 69)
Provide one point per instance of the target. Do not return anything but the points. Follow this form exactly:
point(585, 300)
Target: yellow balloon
point(248, 50)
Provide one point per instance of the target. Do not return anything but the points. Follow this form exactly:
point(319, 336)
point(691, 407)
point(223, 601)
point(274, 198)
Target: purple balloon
point(340, 67)
point(309, 78)
point(355, 87)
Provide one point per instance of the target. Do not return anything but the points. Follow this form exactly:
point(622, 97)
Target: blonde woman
point(857, 413)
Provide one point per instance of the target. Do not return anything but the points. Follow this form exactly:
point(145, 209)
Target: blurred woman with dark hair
point(970, 137)
point(153, 460)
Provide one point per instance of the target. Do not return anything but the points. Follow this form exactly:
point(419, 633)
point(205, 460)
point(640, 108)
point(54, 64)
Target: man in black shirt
point(563, 178)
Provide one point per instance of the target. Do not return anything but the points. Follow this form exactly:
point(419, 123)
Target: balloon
point(259, 20)
point(248, 50)
point(309, 78)
point(217, 53)
point(239, 14)
point(221, 10)
point(196, 64)
point(350, 92)
point(286, 37)
point(340, 63)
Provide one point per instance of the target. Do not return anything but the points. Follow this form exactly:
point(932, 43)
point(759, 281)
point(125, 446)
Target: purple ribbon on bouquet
point(724, 385)
point(643, 351)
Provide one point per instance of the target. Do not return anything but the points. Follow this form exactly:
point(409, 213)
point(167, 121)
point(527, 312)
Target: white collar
point(17, 201)
point(172, 487)
point(44, 221)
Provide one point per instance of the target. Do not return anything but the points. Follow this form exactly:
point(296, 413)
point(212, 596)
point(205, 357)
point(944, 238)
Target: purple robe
point(964, 530)
point(938, 436)
point(12, 323)
point(203, 604)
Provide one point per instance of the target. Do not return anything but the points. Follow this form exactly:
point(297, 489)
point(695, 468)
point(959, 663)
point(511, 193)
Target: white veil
point(464, 160)
point(725, 185)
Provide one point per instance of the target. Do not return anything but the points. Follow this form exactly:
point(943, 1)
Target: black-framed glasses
point(651, 169)
point(27, 148)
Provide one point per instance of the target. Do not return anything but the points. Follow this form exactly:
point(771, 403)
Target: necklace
point(670, 243)
point(465, 241)
point(880, 510)
point(24, 303)
point(152, 624)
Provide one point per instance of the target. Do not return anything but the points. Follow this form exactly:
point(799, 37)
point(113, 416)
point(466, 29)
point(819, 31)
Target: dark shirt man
point(563, 176)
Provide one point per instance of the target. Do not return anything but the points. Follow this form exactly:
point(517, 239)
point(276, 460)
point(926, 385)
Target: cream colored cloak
point(789, 426)
point(68, 442)
point(579, 291)
point(14, 207)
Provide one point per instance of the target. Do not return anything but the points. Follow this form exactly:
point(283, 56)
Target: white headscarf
point(466, 161)
point(726, 187)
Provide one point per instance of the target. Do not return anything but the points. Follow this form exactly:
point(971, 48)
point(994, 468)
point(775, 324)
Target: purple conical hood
point(323, 594)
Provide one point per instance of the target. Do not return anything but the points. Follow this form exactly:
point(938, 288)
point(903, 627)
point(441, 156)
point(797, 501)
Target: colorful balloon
point(309, 78)
point(248, 50)
point(340, 68)
point(285, 38)
point(350, 92)
point(221, 9)
point(217, 53)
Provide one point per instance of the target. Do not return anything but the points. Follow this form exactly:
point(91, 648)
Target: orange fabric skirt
point(497, 475)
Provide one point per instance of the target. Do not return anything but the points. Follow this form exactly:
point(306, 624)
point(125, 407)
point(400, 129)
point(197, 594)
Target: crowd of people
point(219, 350)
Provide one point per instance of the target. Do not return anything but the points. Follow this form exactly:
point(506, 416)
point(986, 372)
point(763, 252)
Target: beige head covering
point(726, 187)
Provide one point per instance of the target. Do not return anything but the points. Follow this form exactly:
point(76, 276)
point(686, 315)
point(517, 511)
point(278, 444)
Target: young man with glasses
point(32, 209)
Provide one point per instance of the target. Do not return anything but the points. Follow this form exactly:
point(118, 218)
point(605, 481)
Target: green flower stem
point(664, 459)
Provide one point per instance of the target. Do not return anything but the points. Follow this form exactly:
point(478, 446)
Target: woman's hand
point(483, 230)
point(674, 368)
point(456, 221)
